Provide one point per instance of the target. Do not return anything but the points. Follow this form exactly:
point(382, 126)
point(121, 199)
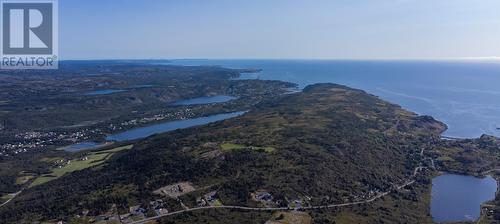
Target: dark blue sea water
point(463, 94)
point(458, 198)
point(205, 100)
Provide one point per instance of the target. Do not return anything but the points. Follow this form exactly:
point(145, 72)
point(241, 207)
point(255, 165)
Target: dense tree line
point(331, 142)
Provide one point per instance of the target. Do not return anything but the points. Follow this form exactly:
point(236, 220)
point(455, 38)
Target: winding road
point(380, 195)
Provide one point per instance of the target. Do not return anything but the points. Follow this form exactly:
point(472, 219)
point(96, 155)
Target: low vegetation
point(227, 147)
point(24, 179)
point(329, 144)
point(53, 110)
point(290, 218)
point(90, 160)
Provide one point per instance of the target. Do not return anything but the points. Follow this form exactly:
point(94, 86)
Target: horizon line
point(490, 58)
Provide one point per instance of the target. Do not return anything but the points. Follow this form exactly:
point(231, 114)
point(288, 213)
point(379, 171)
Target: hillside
point(327, 144)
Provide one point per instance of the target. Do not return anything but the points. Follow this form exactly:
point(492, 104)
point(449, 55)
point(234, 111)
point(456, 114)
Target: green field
point(6, 197)
point(231, 146)
point(93, 159)
point(217, 203)
point(23, 179)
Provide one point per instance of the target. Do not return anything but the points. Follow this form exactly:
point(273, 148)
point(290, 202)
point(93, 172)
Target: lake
point(169, 126)
point(204, 100)
point(142, 86)
point(147, 131)
point(111, 91)
point(458, 197)
point(104, 92)
point(463, 94)
point(82, 146)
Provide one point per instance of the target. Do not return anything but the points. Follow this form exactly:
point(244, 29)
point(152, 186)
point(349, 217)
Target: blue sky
point(314, 29)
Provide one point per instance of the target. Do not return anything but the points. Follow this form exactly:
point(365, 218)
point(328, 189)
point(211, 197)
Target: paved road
point(380, 195)
point(13, 196)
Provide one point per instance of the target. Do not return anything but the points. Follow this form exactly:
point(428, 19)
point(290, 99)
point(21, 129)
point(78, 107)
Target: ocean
point(463, 94)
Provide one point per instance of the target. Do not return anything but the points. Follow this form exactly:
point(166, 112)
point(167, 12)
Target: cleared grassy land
point(93, 159)
point(231, 146)
point(217, 203)
point(23, 179)
point(50, 159)
point(6, 197)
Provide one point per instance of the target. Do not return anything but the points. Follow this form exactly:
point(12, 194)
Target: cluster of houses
point(159, 206)
point(40, 140)
point(181, 114)
point(135, 213)
point(268, 200)
point(209, 199)
point(488, 210)
point(60, 163)
point(264, 197)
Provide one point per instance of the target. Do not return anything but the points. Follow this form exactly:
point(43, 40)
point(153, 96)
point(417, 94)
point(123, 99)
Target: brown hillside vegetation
point(331, 144)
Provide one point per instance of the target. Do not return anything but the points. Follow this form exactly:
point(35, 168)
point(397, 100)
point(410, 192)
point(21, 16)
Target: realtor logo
point(29, 34)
